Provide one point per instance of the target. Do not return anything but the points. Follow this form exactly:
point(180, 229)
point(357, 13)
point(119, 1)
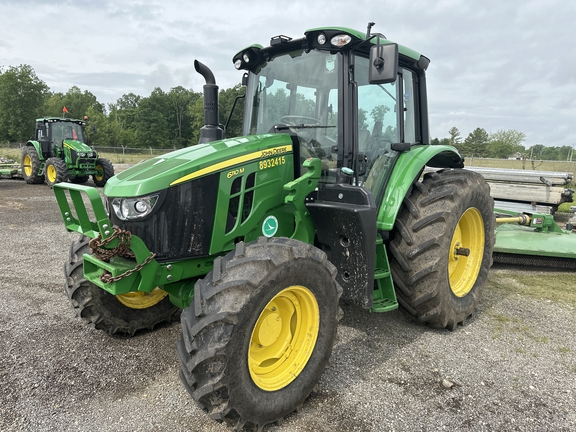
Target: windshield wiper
point(302, 126)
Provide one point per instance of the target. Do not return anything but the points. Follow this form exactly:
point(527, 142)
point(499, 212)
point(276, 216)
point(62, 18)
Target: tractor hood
point(77, 146)
point(194, 162)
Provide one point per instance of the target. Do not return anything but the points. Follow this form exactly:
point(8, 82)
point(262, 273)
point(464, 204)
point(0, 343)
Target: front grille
point(182, 226)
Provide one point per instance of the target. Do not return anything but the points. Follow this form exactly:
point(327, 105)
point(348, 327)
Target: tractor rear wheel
point(30, 164)
point(260, 331)
point(124, 314)
point(104, 171)
point(441, 250)
point(55, 171)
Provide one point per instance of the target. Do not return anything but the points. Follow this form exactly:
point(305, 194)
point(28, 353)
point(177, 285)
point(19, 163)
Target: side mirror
point(383, 64)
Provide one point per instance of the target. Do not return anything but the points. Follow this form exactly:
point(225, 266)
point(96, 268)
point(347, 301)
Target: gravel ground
point(512, 367)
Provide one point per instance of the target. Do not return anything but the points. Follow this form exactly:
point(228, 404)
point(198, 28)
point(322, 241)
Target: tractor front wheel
point(79, 179)
point(104, 171)
point(260, 331)
point(31, 166)
point(55, 171)
point(124, 314)
point(441, 250)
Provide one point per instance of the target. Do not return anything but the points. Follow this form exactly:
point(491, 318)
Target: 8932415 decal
point(272, 162)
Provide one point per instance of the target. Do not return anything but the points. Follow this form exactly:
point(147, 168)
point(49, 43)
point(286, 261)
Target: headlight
point(81, 154)
point(340, 40)
point(134, 208)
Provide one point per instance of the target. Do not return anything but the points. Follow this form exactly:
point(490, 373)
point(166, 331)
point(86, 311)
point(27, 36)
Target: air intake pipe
point(211, 131)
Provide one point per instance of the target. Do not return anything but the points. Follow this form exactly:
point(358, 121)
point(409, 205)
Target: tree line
point(173, 119)
point(502, 144)
point(161, 120)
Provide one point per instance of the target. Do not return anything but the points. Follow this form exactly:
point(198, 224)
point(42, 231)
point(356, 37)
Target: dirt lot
point(513, 367)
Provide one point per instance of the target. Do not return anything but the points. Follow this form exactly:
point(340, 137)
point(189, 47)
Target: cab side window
point(409, 101)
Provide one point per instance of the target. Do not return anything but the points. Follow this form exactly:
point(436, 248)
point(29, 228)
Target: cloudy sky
point(506, 64)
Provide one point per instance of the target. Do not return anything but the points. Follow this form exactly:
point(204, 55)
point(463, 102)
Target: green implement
point(10, 170)
point(534, 240)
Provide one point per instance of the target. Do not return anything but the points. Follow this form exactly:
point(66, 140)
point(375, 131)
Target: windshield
point(60, 131)
point(297, 93)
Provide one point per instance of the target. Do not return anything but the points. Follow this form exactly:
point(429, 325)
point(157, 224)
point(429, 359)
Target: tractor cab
point(323, 90)
point(52, 132)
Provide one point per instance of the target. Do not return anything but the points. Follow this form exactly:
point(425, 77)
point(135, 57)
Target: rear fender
point(38, 148)
point(407, 169)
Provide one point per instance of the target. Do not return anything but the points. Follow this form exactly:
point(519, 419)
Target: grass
point(112, 156)
point(118, 156)
point(557, 166)
point(558, 288)
point(13, 154)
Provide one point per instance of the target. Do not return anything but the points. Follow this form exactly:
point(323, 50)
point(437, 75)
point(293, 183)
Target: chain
point(122, 249)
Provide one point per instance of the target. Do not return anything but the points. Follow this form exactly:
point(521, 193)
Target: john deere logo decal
point(270, 226)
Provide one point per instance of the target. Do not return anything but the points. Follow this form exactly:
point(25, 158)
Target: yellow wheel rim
point(466, 252)
point(283, 338)
point(27, 165)
point(142, 300)
point(51, 173)
point(99, 172)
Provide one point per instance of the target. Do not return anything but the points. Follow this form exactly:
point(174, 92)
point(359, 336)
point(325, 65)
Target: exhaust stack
point(211, 131)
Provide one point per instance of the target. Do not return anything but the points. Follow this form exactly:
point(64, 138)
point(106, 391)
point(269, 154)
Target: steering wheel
point(292, 120)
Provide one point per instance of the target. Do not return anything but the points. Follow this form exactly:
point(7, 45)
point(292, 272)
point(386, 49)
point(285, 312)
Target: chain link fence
point(526, 164)
point(129, 155)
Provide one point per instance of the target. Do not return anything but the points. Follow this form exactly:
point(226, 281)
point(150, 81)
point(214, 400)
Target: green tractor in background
point(59, 154)
point(255, 239)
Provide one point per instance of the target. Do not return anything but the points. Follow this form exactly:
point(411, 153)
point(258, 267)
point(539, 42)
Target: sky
point(496, 65)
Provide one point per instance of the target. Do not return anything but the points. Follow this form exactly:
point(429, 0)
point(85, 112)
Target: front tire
point(30, 164)
point(104, 171)
point(122, 314)
point(79, 179)
point(55, 171)
point(442, 247)
point(260, 331)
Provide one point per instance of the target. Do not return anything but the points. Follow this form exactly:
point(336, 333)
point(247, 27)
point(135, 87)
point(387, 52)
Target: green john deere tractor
point(58, 154)
point(257, 238)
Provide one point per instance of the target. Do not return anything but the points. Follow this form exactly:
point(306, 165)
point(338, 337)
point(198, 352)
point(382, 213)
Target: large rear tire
point(30, 164)
point(123, 314)
point(441, 250)
point(260, 331)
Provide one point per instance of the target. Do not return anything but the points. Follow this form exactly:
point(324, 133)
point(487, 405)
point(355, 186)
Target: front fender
point(407, 169)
